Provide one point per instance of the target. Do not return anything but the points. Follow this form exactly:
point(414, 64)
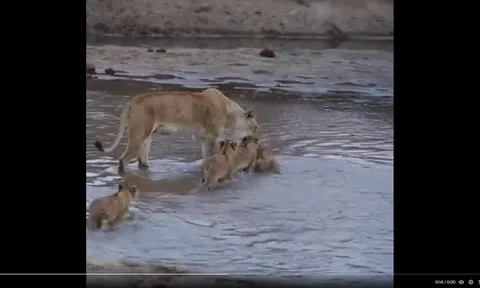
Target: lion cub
point(112, 209)
point(219, 166)
point(246, 154)
point(266, 162)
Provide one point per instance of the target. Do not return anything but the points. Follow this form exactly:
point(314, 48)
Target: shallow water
point(330, 211)
point(300, 66)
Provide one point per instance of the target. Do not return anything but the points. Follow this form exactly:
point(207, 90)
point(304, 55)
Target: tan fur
point(165, 112)
point(246, 154)
point(220, 166)
point(112, 209)
point(215, 147)
point(266, 162)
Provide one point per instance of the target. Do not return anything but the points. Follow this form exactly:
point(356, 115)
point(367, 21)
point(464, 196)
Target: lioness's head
point(228, 147)
point(247, 122)
point(131, 191)
point(249, 139)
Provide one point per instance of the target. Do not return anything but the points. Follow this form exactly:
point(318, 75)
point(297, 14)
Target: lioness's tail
point(121, 129)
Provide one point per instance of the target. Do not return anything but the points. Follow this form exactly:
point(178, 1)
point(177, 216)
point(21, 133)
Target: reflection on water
point(330, 211)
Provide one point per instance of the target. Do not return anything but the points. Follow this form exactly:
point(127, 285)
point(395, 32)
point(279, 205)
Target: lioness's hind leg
point(143, 154)
point(130, 153)
point(228, 175)
point(134, 145)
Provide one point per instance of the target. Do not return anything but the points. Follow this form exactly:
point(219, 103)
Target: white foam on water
point(111, 178)
point(90, 174)
point(97, 182)
point(311, 155)
point(111, 169)
point(105, 160)
point(161, 167)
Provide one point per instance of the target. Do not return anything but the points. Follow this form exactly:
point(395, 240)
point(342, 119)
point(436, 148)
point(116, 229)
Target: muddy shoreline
point(337, 19)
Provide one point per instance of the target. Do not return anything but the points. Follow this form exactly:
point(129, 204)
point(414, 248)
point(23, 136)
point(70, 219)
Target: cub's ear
point(133, 189)
point(234, 145)
point(255, 140)
point(249, 114)
point(221, 144)
point(120, 187)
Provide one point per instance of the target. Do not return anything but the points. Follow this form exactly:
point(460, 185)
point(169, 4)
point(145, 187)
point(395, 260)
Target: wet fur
point(220, 166)
point(208, 111)
point(112, 209)
point(266, 162)
point(246, 154)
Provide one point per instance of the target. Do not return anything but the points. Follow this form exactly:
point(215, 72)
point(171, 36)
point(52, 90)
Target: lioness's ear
point(249, 114)
point(221, 143)
point(133, 189)
point(244, 139)
point(120, 187)
point(234, 145)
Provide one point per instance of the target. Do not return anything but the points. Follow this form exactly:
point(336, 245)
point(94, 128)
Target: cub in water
point(220, 166)
point(266, 162)
point(112, 209)
point(246, 154)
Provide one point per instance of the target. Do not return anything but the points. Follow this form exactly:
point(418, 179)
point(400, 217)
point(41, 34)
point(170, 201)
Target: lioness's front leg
point(229, 175)
point(251, 166)
point(207, 147)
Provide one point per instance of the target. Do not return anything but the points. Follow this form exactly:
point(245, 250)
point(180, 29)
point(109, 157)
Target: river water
point(329, 212)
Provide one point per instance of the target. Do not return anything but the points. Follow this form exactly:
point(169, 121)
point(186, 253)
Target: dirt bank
point(138, 274)
point(125, 266)
point(276, 18)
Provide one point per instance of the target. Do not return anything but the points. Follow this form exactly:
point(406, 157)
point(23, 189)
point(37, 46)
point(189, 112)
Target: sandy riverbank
point(141, 274)
point(253, 18)
point(125, 266)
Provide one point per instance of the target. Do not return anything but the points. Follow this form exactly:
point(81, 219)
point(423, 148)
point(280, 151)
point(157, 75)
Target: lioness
point(266, 162)
point(220, 166)
point(112, 209)
point(246, 154)
point(209, 112)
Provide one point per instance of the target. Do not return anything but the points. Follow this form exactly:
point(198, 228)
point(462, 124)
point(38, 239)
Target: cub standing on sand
point(208, 111)
point(112, 209)
point(219, 166)
point(246, 154)
point(266, 162)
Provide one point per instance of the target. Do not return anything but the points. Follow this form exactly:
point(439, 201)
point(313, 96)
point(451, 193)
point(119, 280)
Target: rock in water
point(110, 71)
point(267, 52)
point(90, 68)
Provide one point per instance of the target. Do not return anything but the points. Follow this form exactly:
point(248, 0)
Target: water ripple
point(330, 211)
